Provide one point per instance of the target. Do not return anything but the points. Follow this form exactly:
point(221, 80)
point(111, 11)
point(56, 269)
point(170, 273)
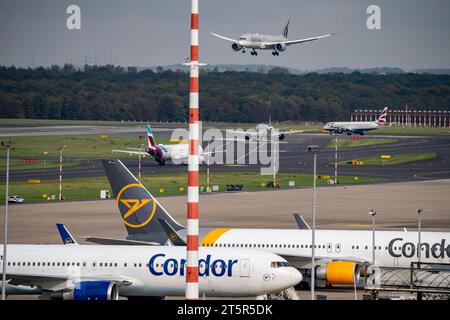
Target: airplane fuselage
point(393, 248)
point(154, 271)
point(257, 41)
point(358, 127)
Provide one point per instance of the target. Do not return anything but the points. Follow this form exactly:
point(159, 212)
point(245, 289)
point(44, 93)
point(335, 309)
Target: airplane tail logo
point(139, 210)
point(151, 139)
point(136, 213)
point(286, 29)
point(382, 117)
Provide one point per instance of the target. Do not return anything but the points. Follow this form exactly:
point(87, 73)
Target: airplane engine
point(339, 273)
point(281, 137)
point(92, 290)
point(236, 47)
point(280, 47)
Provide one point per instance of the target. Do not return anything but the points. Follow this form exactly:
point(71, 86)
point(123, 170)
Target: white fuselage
point(257, 41)
point(155, 270)
point(351, 126)
point(393, 248)
point(178, 152)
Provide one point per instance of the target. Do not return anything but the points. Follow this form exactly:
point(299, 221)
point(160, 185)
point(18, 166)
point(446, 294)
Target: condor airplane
point(177, 153)
point(340, 253)
point(356, 127)
point(97, 272)
point(265, 42)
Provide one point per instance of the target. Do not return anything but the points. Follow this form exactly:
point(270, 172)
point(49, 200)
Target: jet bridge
point(419, 281)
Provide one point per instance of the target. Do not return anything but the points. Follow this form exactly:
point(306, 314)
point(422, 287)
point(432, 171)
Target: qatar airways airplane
point(276, 43)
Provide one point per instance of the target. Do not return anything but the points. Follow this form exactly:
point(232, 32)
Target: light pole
point(139, 166)
point(61, 148)
point(373, 214)
point(419, 227)
point(7, 145)
point(336, 161)
point(314, 149)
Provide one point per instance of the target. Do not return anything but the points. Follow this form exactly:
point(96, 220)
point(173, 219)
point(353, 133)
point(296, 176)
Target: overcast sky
point(415, 33)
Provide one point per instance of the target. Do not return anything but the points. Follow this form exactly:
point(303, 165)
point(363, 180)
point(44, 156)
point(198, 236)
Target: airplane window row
point(46, 264)
point(298, 246)
point(94, 264)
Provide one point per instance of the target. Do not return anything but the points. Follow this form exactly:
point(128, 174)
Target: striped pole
point(193, 175)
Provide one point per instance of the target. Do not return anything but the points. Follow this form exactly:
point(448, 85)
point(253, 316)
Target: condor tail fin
point(139, 210)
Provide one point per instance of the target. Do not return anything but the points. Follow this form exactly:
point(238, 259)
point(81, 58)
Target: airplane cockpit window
point(279, 264)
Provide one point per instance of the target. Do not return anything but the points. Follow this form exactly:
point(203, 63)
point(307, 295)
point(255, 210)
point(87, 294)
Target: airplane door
point(244, 268)
point(329, 247)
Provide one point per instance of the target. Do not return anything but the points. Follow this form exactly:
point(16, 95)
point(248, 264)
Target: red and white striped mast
point(192, 289)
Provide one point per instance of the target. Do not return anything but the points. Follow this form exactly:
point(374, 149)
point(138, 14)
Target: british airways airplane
point(340, 253)
point(98, 272)
point(356, 127)
point(257, 41)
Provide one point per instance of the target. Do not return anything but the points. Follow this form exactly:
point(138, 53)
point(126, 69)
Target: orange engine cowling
point(339, 273)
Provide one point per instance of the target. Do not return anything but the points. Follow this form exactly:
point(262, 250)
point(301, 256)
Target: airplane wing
point(244, 133)
point(222, 37)
point(60, 282)
point(117, 242)
point(142, 153)
point(286, 133)
point(304, 259)
point(290, 42)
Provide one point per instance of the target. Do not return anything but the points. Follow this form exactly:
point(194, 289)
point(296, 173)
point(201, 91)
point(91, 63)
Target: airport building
point(410, 118)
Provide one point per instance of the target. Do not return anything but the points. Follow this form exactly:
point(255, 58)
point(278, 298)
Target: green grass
point(395, 159)
point(410, 131)
point(47, 122)
point(76, 146)
point(89, 188)
point(18, 164)
point(347, 142)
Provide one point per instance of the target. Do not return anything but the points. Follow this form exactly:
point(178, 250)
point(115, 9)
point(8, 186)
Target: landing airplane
point(340, 253)
point(256, 41)
point(162, 152)
point(264, 131)
point(356, 127)
point(97, 272)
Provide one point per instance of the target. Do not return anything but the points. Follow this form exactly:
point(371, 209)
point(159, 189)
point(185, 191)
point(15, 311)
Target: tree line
point(115, 93)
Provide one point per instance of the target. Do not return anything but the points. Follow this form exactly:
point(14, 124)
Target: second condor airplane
point(340, 253)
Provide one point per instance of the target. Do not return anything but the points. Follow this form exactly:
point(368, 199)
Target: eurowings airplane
point(264, 131)
point(340, 253)
point(356, 127)
point(255, 41)
point(162, 152)
point(97, 272)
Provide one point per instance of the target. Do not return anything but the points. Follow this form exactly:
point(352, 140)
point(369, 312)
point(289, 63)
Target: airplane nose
point(296, 277)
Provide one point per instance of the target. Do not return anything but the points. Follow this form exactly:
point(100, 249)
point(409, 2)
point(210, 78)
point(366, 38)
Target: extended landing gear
point(161, 162)
point(243, 51)
point(275, 53)
point(254, 53)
